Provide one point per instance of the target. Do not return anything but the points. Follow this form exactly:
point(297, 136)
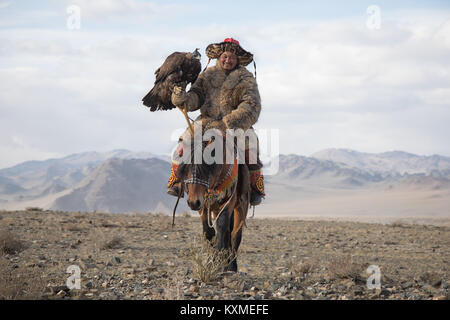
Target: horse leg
point(223, 235)
point(236, 237)
point(207, 231)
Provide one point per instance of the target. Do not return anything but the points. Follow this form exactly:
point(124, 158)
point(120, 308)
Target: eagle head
point(197, 54)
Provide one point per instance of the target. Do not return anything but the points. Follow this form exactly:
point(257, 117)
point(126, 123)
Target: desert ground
point(140, 256)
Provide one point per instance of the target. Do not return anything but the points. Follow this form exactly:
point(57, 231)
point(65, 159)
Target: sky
point(363, 75)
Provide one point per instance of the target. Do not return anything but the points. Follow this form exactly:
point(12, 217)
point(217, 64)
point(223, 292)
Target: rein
point(210, 195)
point(180, 192)
point(214, 223)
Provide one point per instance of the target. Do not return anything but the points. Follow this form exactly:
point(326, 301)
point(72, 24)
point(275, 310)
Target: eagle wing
point(191, 68)
point(172, 64)
point(178, 68)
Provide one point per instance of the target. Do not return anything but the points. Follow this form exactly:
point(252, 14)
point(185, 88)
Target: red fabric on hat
point(231, 40)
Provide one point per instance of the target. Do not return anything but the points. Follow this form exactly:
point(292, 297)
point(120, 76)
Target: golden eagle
point(179, 69)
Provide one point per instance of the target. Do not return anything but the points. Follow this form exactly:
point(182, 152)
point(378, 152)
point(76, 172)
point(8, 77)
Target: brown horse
point(220, 192)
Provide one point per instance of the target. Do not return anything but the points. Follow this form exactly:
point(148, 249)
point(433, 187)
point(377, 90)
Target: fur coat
point(232, 97)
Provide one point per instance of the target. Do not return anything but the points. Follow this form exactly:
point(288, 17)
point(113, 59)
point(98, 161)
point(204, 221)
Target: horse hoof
point(232, 267)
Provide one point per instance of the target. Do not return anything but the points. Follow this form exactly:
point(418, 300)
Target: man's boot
point(257, 184)
point(174, 186)
point(174, 190)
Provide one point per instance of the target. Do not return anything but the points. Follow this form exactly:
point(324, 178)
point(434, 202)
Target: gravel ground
point(140, 256)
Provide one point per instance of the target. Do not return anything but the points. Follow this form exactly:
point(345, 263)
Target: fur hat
point(215, 50)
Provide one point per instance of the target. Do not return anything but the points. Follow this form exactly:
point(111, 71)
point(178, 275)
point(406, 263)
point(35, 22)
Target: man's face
point(228, 60)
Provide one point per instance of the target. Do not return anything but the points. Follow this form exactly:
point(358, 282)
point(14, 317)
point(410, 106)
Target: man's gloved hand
point(218, 124)
point(179, 96)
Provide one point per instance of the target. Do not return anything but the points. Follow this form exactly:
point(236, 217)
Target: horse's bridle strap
point(195, 180)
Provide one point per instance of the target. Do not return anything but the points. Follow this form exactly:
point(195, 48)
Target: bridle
point(195, 180)
point(210, 195)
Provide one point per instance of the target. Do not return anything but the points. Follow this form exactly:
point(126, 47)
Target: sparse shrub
point(302, 268)
point(344, 268)
point(185, 214)
point(397, 224)
point(115, 243)
point(431, 278)
point(160, 214)
point(34, 209)
point(109, 225)
point(9, 244)
point(15, 284)
point(73, 227)
point(208, 262)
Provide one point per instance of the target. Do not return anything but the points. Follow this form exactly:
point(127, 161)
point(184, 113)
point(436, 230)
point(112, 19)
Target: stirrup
point(174, 190)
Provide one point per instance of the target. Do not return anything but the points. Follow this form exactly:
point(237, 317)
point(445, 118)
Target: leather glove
point(179, 96)
point(219, 124)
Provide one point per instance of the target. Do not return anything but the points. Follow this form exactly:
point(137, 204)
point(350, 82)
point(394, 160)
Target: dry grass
point(185, 214)
point(14, 283)
point(109, 225)
point(344, 268)
point(431, 278)
point(105, 240)
point(302, 268)
point(208, 262)
point(73, 227)
point(17, 284)
point(396, 224)
point(9, 244)
point(34, 209)
point(115, 243)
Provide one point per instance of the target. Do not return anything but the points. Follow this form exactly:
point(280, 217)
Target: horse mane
point(203, 170)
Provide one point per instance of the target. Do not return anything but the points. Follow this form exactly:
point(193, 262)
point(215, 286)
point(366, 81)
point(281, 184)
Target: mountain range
point(393, 162)
point(325, 182)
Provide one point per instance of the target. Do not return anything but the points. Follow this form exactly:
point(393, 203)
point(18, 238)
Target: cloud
point(128, 12)
point(14, 150)
point(4, 5)
point(323, 84)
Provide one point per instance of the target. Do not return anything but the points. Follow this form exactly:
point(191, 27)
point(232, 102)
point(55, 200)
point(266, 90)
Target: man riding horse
point(227, 92)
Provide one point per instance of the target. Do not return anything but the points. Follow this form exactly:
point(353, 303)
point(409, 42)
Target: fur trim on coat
point(232, 97)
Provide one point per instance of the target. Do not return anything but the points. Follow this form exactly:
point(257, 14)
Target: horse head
point(202, 167)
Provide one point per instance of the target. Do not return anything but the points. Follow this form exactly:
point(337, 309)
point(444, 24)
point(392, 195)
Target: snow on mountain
point(122, 180)
point(295, 169)
point(81, 159)
point(393, 162)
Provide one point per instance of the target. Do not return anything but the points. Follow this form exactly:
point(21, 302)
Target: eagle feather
point(179, 69)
